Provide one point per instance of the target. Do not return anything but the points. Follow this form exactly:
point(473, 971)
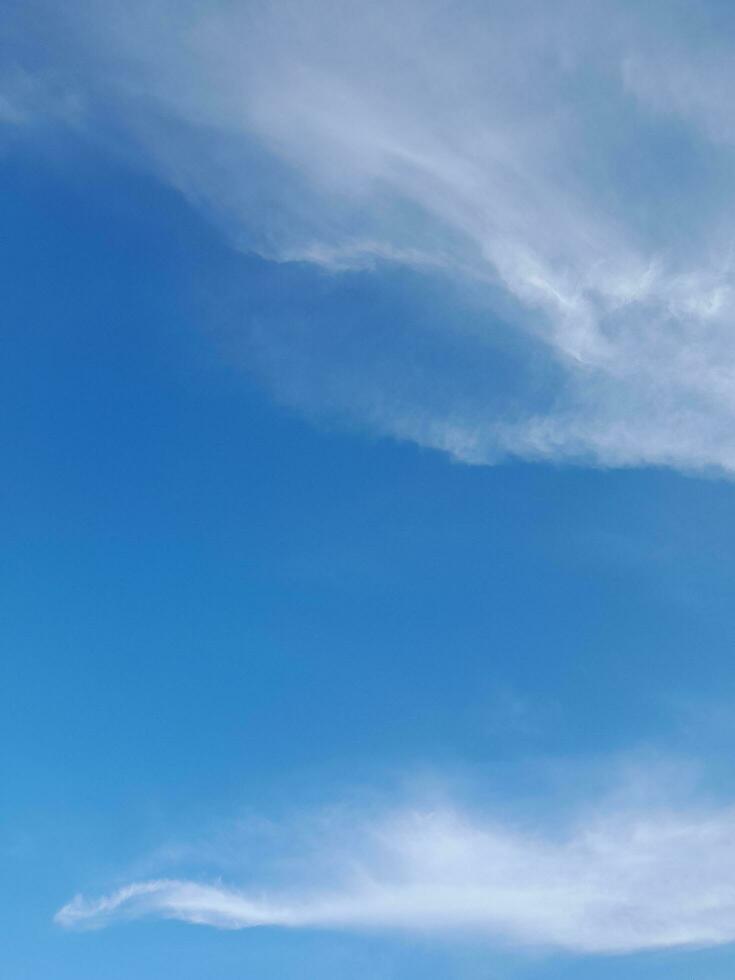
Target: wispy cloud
point(29, 100)
point(522, 151)
point(616, 882)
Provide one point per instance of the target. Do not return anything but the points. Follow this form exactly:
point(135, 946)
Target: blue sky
point(368, 520)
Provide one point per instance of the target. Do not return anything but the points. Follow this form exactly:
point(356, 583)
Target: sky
point(367, 404)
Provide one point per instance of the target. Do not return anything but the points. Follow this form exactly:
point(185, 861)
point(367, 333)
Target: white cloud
point(616, 882)
point(500, 146)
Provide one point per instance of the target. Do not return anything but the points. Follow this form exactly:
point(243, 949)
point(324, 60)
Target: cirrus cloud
point(614, 882)
point(578, 181)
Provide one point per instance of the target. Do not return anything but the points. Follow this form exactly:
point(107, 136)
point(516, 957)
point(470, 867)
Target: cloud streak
point(574, 178)
point(615, 883)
